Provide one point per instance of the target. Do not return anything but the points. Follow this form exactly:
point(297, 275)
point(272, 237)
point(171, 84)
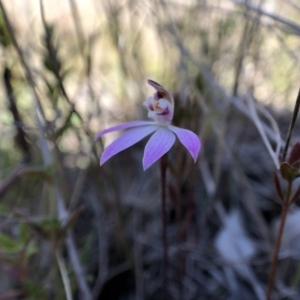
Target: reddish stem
point(163, 171)
point(285, 208)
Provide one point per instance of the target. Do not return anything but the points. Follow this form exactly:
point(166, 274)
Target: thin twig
point(72, 251)
point(291, 127)
point(102, 243)
point(64, 274)
point(261, 131)
point(22, 59)
point(277, 18)
point(78, 27)
point(273, 135)
point(84, 46)
point(274, 126)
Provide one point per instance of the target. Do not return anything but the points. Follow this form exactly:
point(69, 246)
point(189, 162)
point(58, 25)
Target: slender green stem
point(163, 171)
point(291, 127)
point(285, 208)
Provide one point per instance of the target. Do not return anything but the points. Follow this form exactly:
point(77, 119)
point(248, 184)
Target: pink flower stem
point(285, 208)
point(163, 171)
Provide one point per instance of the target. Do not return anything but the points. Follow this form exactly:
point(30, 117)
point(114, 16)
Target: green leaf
point(8, 245)
point(288, 172)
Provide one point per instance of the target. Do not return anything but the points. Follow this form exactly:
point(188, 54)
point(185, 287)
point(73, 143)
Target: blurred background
point(70, 229)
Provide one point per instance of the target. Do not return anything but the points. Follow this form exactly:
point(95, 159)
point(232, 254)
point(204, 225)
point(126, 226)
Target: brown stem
point(163, 171)
point(285, 208)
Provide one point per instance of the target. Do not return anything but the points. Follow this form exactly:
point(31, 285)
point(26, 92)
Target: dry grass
point(81, 67)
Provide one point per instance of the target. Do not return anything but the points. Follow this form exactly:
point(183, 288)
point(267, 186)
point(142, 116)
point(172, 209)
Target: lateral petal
point(159, 144)
point(123, 126)
point(189, 140)
point(127, 139)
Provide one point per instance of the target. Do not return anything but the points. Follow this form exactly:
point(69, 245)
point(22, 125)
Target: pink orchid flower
point(160, 108)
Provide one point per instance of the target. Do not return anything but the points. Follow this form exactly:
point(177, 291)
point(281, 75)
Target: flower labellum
point(161, 109)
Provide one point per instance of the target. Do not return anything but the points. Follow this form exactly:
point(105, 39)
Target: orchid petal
point(160, 88)
point(127, 139)
point(123, 126)
point(149, 102)
point(160, 110)
point(188, 139)
point(156, 85)
point(159, 144)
